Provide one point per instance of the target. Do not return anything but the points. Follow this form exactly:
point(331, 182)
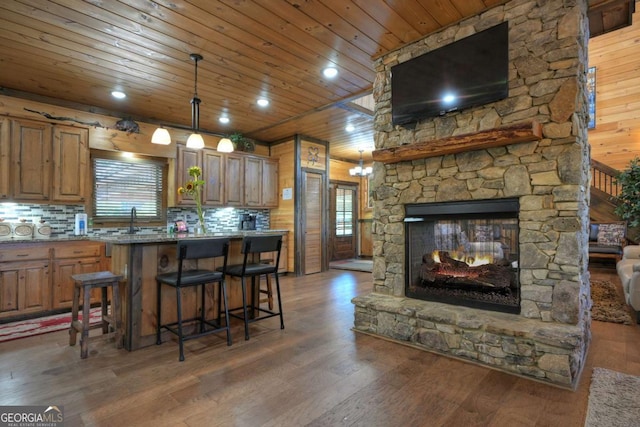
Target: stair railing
point(603, 178)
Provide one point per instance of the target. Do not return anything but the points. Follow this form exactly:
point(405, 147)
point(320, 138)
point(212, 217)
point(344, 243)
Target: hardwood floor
point(316, 372)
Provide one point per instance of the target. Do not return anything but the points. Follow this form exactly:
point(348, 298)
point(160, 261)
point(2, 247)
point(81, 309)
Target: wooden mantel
point(513, 134)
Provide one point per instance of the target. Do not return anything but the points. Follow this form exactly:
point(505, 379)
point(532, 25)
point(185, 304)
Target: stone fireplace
point(464, 253)
point(528, 150)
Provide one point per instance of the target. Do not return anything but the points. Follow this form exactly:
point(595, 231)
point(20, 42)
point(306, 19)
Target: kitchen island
point(140, 257)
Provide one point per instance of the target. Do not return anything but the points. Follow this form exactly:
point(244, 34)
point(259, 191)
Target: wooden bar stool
point(86, 282)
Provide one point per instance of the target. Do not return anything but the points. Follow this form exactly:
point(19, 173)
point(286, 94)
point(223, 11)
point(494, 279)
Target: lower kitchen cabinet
point(70, 259)
point(24, 287)
point(35, 277)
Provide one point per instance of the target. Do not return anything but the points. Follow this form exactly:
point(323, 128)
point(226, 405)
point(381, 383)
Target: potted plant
point(629, 196)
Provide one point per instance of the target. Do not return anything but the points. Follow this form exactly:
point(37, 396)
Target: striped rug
point(42, 325)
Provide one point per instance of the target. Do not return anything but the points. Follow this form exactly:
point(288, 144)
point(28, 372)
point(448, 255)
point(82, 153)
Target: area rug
point(353, 264)
point(614, 399)
point(43, 325)
point(608, 303)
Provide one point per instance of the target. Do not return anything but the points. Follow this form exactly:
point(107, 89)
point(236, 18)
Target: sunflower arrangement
point(193, 188)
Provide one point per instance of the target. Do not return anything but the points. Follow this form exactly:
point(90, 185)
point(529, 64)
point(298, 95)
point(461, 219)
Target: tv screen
point(469, 72)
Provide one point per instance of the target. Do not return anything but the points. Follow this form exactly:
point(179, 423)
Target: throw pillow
point(483, 233)
point(611, 234)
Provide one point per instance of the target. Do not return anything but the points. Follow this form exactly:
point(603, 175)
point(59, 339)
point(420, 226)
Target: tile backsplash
point(61, 218)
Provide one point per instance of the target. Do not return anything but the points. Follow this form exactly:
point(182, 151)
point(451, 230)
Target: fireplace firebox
point(464, 253)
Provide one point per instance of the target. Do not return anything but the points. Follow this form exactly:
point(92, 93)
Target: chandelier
point(360, 170)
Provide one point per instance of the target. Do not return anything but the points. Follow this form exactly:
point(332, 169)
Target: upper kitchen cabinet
point(31, 160)
point(43, 163)
point(270, 183)
point(70, 164)
point(234, 184)
point(213, 173)
point(231, 179)
point(211, 162)
point(187, 157)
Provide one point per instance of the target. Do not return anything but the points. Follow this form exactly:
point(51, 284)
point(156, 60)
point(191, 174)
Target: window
point(121, 184)
point(344, 212)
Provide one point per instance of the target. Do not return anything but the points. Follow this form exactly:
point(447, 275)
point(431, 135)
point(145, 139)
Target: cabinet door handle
point(22, 255)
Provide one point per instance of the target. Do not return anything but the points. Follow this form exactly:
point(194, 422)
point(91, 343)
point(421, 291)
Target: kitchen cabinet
point(270, 192)
point(214, 179)
point(24, 280)
point(253, 182)
point(30, 160)
point(260, 182)
point(70, 164)
point(186, 158)
point(41, 162)
point(5, 155)
point(231, 179)
point(234, 185)
point(69, 259)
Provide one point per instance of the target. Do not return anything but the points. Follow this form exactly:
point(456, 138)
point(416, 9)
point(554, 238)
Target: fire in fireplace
point(464, 253)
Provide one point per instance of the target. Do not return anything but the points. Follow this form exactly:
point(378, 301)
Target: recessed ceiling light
point(118, 94)
point(224, 120)
point(263, 102)
point(349, 128)
point(330, 72)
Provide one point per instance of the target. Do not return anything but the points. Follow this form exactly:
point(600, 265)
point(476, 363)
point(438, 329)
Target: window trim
point(137, 158)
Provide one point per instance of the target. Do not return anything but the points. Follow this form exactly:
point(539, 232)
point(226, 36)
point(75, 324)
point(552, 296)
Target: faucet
point(134, 215)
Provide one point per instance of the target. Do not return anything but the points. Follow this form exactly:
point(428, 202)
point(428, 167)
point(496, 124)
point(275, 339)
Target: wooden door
point(312, 208)
point(31, 160)
point(213, 176)
point(343, 216)
point(24, 288)
point(70, 164)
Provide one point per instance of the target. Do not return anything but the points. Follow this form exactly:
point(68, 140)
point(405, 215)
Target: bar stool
point(86, 282)
point(268, 291)
point(252, 267)
point(195, 249)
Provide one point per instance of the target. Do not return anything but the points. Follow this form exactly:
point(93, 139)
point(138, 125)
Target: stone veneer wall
point(549, 339)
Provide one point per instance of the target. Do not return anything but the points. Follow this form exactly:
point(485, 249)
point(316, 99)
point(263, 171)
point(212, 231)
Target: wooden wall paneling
point(5, 156)
point(283, 217)
point(616, 56)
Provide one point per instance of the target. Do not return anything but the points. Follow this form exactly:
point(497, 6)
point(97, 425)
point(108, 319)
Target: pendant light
point(195, 139)
point(225, 146)
point(161, 136)
point(360, 170)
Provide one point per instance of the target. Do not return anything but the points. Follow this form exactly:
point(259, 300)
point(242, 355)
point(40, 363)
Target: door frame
point(356, 217)
point(298, 208)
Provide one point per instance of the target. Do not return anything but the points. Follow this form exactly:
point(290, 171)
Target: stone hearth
point(548, 175)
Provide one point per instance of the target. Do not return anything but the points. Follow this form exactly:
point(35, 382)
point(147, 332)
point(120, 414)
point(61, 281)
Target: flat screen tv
point(469, 72)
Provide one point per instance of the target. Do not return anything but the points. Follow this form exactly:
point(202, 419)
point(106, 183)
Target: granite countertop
point(125, 239)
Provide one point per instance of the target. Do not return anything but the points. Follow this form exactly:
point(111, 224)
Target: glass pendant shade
point(161, 136)
point(225, 146)
point(195, 141)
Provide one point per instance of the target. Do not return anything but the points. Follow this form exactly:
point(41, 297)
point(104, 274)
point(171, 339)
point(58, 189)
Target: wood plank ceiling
point(77, 52)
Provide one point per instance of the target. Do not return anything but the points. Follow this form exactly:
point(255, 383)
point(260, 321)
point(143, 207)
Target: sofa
point(607, 240)
point(628, 269)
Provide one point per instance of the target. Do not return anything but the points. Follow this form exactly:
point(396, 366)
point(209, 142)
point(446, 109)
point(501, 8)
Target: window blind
point(122, 184)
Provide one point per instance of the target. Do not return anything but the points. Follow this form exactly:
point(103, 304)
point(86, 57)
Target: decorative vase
point(200, 228)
